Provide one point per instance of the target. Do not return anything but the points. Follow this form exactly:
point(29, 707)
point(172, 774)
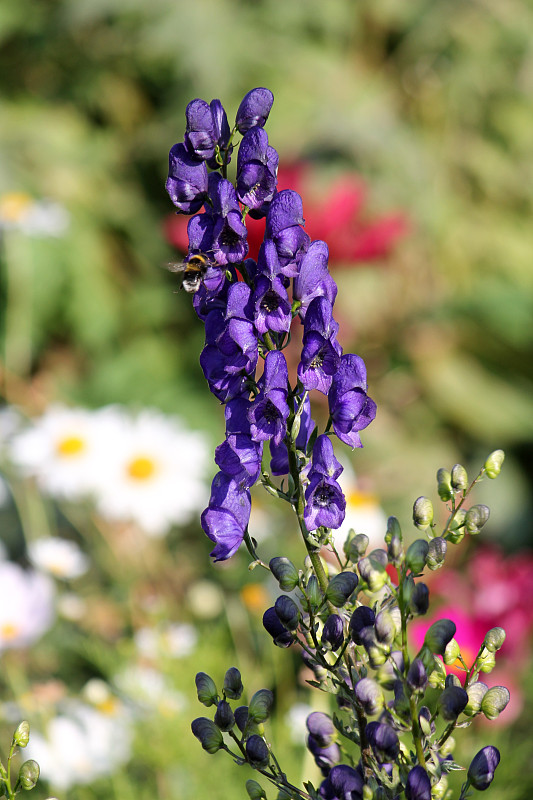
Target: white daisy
point(61, 558)
point(19, 211)
point(62, 450)
point(26, 605)
point(154, 472)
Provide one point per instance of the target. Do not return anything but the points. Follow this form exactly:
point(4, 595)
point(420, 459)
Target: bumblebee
point(192, 271)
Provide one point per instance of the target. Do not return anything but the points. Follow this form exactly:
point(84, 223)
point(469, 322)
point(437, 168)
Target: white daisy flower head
point(61, 558)
point(154, 473)
point(20, 211)
point(26, 605)
point(82, 743)
point(62, 450)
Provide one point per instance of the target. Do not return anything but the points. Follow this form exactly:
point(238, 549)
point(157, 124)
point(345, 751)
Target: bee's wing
point(175, 266)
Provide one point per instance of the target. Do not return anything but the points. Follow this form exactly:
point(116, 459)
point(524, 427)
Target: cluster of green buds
point(28, 773)
point(351, 626)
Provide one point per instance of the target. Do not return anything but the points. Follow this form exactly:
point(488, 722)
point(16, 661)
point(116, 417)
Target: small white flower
point(154, 473)
point(295, 721)
point(62, 450)
point(61, 558)
point(149, 690)
point(26, 605)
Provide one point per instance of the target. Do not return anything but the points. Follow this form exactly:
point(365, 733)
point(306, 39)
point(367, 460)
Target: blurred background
point(407, 129)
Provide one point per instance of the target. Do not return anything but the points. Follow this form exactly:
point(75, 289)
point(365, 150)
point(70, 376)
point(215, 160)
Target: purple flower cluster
point(248, 308)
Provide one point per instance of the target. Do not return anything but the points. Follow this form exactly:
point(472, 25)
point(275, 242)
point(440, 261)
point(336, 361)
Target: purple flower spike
point(325, 503)
point(349, 405)
point(254, 109)
point(226, 517)
point(201, 133)
point(314, 279)
point(257, 165)
point(187, 180)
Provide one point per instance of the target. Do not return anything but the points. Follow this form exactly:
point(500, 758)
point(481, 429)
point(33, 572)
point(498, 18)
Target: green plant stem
point(417, 735)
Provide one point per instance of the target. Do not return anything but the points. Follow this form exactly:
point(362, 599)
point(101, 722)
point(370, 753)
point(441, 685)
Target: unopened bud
point(333, 632)
point(285, 573)
point(393, 530)
point(423, 513)
point(233, 687)
point(494, 701)
point(436, 553)
point(313, 592)
point(439, 634)
point(486, 661)
point(373, 572)
point(29, 774)
point(255, 790)
point(206, 689)
point(444, 484)
point(370, 695)
point(287, 612)
point(482, 767)
point(415, 558)
point(207, 733)
point(452, 652)
point(451, 702)
point(493, 464)
point(356, 545)
point(260, 705)
point(385, 628)
point(419, 600)
point(417, 677)
point(340, 588)
point(475, 518)
point(494, 639)
point(224, 718)
point(257, 752)
point(21, 737)
point(438, 792)
point(459, 477)
point(476, 692)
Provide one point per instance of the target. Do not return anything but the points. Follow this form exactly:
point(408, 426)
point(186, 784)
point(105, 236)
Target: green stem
point(417, 735)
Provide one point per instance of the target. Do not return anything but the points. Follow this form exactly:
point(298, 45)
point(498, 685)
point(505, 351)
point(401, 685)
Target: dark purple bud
point(207, 733)
point(287, 612)
point(206, 689)
point(417, 678)
point(187, 180)
point(370, 696)
point(427, 726)
point(273, 625)
point(257, 752)
point(254, 109)
point(418, 785)
point(451, 702)
point(241, 717)
point(341, 587)
point(362, 617)
point(439, 634)
point(419, 600)
point(383, 741)
point(224, 718)
point(333, 632)
point(401, 701)
point(285, 573)
point(482, 767)
point(321, 728)
point(325, 757)
point(346, 782)
point(233, 687)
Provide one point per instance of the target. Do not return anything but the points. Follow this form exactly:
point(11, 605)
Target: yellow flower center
point(8, 630)
point(141, 468)
point(14, 205)
point(70, 446)
point(358, 499)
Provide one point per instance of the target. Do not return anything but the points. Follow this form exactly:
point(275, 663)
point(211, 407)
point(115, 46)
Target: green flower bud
point(493, 464)
point(475, 518)
point(395, 550)
point(233, 687)
point(438, 792)
point(372, 570)
point(448, 747)
point(370, 696)
point(207, 733)
point(476, 692)
point(439, 634)
point(313, 592)
point(494, 701)
point(437, 674)
point(21, 737)
point(255, 790)
point(260, 705)
point(385, 628)
point(436, 553)
point(459, 477)
point(355, 545)
point(28, 774)
point(423, 513)
point(340, 588)
point(452, 652)
point(393, 530)
point(444, 484)
point(285, 573)
point(455, 536)
point(486, 661)
point(494, 639)
point(206, 689)
point(415, 558)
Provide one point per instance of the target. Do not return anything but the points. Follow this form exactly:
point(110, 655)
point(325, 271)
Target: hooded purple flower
point(229, 243)
point(349, 405)
point(320, 352)
point(239, 456)
point(254, 109)
point(283, 226)
point(343, 783)
point(187, 180)
point(227, 516)
point(325, 503)
point(269, 411)
point(314, 279)
point(383, 740)
point(200, 133)
point(324, 461)
point(418, 786)
point(272, 306)
point(257, 167)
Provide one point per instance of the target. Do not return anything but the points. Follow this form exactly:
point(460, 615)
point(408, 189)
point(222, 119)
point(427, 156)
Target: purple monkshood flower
point(325, 757)
point(321, 728)
point(229, 233)
point(269, 411)
point(257, 167)
point(313, 279)
point(200, 133)
point(323, 460)
point(239, 456)
point(325, 503)
point(350, 407)
point(383, 740)
point(227, 516)
point(483, 766)
point(279, 464)
point(283, 226)
point(268, 261)
point(272, 306)
point(187, 180)
point(320, 352)
point(418, 786)
point(254, 109)
point(343, 783)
